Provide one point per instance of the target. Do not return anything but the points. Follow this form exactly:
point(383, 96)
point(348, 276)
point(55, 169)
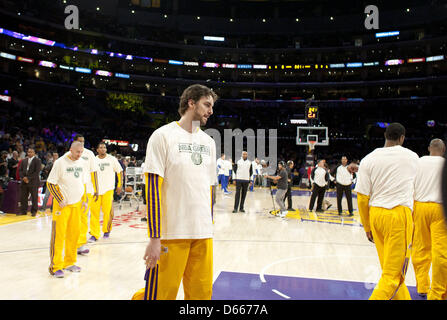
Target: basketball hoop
point(311, 145)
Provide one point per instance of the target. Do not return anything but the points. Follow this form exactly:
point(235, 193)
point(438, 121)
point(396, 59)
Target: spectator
point(3, 165)
point(19, 148)
point(132, 162)
point(46, 170)
point(13, 163)
point(40, 145)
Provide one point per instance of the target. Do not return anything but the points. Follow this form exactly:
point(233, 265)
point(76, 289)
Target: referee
point(243, 171)
point(319, 178)
point(343, 179)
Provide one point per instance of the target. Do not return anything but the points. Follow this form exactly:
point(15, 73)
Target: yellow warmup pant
point(187, 259)
point(84, 222)
point(430, 248)
point(64, 236)
point(392, 230)
point(105, 202)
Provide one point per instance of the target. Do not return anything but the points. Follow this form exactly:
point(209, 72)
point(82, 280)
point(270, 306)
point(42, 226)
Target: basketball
point(128, 189)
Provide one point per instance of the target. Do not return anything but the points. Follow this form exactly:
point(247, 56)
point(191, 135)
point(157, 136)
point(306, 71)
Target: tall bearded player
point(180, 173)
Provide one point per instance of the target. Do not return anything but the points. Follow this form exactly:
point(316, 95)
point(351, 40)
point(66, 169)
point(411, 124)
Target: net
point(311, 145)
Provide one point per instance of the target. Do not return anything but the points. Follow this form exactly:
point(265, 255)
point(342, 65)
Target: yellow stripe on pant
point(105, 202)
point(430, 248)
point(64, 236)
point(84, 222)
point(392, 230)
point(187, 259)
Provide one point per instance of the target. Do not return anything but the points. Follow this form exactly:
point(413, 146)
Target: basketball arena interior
point(320, 79)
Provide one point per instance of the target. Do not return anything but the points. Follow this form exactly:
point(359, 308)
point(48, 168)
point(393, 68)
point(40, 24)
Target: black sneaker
point(339, 213)
point(319, 210)
point(350, 214)
point(234, 211)
point(242, 210)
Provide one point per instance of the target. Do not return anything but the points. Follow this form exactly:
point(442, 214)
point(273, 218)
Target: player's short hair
point(77, 136)
point(194, 92)
point(437, 144)
point(394, 131)
point(102, 142)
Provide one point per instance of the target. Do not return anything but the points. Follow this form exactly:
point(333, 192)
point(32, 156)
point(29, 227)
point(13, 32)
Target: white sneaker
point(83, 250)
point(282, 214)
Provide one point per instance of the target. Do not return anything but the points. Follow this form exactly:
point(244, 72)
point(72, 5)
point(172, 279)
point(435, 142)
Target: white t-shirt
point(254, 166)
point(69, 176)
point(220, 166)
point(319, 177)
point(107, 168)
point(343, 176)
point(227, 167)
point(428, 182)
point(91, 166)
point(387, 176)
point(187, 163)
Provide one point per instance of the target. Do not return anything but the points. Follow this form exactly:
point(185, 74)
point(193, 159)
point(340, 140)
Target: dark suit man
point(29, 173)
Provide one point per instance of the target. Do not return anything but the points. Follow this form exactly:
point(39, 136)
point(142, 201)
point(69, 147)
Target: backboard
point(318, 134)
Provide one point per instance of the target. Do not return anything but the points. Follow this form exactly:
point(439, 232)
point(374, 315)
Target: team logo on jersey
point(102, 166)
point(196, 158)
point(196, 151)
point(76, 171)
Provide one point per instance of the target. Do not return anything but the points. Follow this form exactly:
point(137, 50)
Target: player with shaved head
point(430, 229)
point(66, 183)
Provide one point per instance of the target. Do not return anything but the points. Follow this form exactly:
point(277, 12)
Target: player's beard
point(201, 118)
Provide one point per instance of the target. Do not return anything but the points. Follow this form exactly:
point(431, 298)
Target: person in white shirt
point(385, 190)
point(343, 182)
point(227, 172)
point(430, 228)
point(255, 174)
point(108, 166)
point(221, 169)
point(91, 178)
point(319, 179)
point(66, 183)
point(243, 171)
point(180, 175)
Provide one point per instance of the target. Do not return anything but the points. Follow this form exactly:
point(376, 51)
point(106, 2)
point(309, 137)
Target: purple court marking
point(248, 286)
point(331, 194)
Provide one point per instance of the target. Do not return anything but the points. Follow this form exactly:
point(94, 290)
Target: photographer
point(281, 184)
point(288, 195)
